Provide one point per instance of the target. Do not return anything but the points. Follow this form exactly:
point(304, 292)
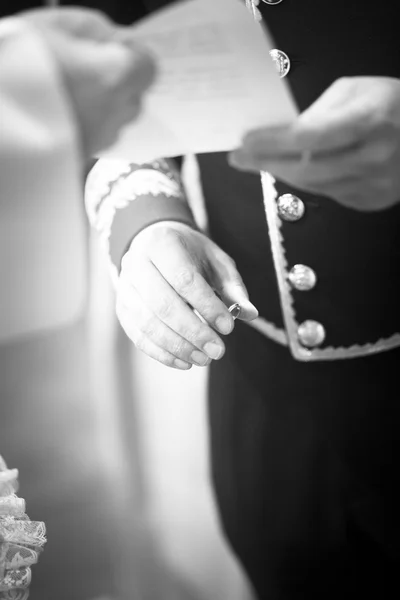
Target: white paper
point(216, 81)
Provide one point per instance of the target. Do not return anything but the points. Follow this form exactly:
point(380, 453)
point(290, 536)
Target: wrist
point(145, 214)
point(151, 230)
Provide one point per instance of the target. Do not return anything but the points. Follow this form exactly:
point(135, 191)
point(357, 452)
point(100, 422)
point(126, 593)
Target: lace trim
point(15, 556)
point(113, 184)
point(21, 540)
point(252, 6)
point(287, 302)
point(17, 531)
point(18, 579)
point(12, 505)
point(269, 330)
point(129, 187)
point(14, 594)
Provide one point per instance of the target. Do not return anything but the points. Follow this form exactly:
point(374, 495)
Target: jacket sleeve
point(124, 198)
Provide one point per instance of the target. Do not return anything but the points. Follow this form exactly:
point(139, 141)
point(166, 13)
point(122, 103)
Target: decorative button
point(272, 1)
point(290, 207)
point(281, 60)
point(302, 278)
point(311, 334)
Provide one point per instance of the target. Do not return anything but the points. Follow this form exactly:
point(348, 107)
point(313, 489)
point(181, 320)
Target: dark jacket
point(355, 255)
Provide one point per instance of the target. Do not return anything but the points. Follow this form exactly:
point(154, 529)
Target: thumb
point(229, 285)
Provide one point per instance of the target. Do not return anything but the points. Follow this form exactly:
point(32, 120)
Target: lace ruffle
point(21, 540)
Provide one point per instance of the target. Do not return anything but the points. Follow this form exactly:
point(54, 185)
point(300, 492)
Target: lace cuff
point(21, 540)
point(123, 198)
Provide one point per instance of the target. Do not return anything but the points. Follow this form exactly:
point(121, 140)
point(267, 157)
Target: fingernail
point(214, 350)
point(224, 325)
point(200, 359)
point(247, 305)
point(181, 364)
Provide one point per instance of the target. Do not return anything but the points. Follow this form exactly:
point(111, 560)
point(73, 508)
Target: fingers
point(316, 135)
point(229, 284)
point(141, 320)
point(308, 171)
point(131, 61)
point(141, 69)
point(121, 69)
point(342, 118)
point(338, 178)
point(105, 81)
point(184, 273)
point(336, 121)
point(173, 295)
point(145, 344)
point(345, 145)
point(125, 73)
point(109, 132)
point(365, 177)
point(171, 309)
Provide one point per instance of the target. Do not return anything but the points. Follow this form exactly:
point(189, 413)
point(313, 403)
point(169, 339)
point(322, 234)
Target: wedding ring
point(235, 309)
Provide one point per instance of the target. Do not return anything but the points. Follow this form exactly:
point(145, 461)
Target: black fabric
point(305, 468)
point(305, 456)
point(356, 255)
point(124, 13)
point(10, 7)
point(328, 40)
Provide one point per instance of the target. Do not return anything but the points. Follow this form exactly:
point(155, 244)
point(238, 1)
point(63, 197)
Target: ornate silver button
point(290, 207)
point(311, 334)
point(281, 60)
point(302, 278)
point(272, 1)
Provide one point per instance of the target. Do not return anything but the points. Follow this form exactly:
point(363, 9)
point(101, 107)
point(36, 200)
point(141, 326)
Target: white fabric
point(21, 540)
point(42, 242)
